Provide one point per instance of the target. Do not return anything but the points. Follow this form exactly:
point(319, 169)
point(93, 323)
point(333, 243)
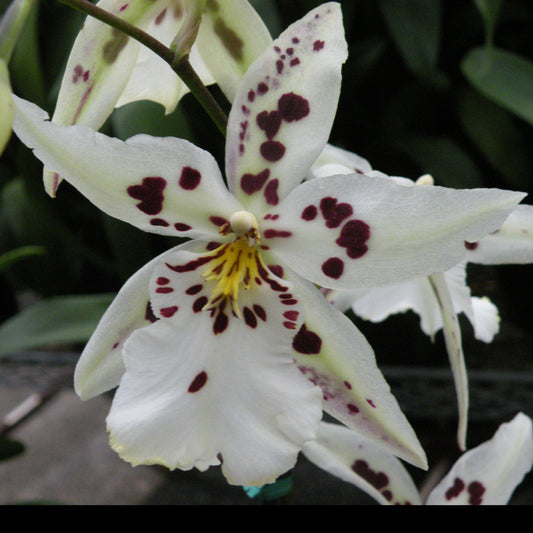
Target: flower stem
point(181, 67)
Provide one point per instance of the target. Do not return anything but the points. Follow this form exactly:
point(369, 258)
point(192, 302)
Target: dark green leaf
point(10, 448)
point(503, 77)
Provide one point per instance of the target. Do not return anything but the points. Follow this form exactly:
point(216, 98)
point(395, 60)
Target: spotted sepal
point(284, 108)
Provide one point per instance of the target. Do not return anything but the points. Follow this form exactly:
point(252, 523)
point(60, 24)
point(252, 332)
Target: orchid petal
point(289, 94)
point(348, 456)
point(159, 184)
point(486, 319)
point(232, 35)
point(100, 64)
point(203, 388)
point(355, 231)
point(152, 78)
point(332, 353)
point(6, 104)
point(334, 160)
point(101, 365)
point(512, 243)
point(454, 347)
point(489, 473)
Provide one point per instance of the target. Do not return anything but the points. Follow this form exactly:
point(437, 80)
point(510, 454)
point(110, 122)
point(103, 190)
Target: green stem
point(181, 67)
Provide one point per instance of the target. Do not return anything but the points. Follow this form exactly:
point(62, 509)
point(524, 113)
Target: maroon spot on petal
point(212, 246)
point(199, 303)
point(162, 281)
point(279, 66)
point(379, 480)
point(476, 491)
point(191, 265)
point(277, 49)
point(289, 51)
point(334, 213)
point(295, 40)
point(348, 385)
point(455, 489)
point(291, 301)
point(260, 312)
point(333, 267)
point(471, 245)
point(180, 226)
point(159, 222)
point(115, 346)
point(309, 213)
point(245, 110)
point(371, 403)
point(273, 233)
point(160, 17)
point(198, 382)
point(251, 183)
point(387, 494)
point(271, 192)
point(318, 45)
point(272, 150)
point(352, 408)
point(80, 73)
point(289, 325)
point(306, 341)
point(221, 323)
point(149, 314)
point(251, 95)
point(353, 237)
point(122, 8)
point(262, 88)
point(293, 107)
point(189, 179)
point(291, 315)
point(294, 62)
point(167, 312)
point(249, 317)
point(150, 194)
point(164, 290)
point(218, 221)
point(269, 122)
point(195, 289)
point(277, 270)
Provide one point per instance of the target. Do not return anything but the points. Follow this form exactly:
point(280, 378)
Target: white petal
point(332, 353)
point(489, 473)
point(201, 388)
point(334, 160)
point(349, 456)
point(486, 319)
point(512, 243)
point(288, 94)
point(355, 231)
point(159, 184)
point(101, 365)
point(232, 35)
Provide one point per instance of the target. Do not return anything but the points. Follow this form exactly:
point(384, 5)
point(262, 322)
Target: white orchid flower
point(485, 475)
point(223, 349)
point(107, 69)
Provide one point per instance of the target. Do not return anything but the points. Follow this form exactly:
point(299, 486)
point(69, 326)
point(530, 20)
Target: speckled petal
point(489, 473)
point(206, 387)
point(232, 35)
point(355, 231)
point(347, 455)
point(332, 353)
point(284, 109)
point(159, 184)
